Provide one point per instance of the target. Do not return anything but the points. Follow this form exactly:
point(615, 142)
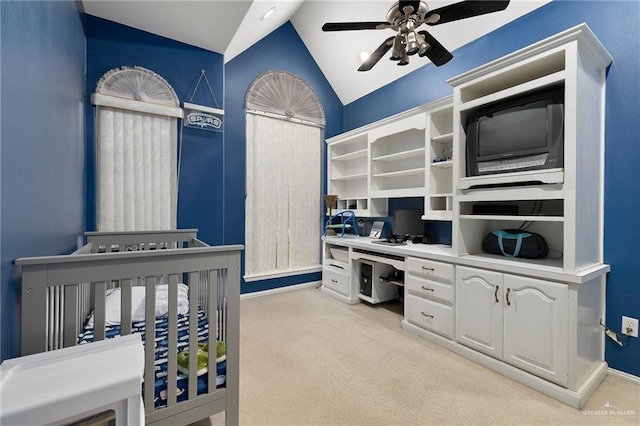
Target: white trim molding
point(623, 375)
point(287, 273)
point(279, 290)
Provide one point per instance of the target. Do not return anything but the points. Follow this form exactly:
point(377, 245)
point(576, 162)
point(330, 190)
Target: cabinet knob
point(427, 315)
point(427, 289)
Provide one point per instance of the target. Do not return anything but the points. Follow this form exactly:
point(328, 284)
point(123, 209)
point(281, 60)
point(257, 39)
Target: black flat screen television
point(521, 133)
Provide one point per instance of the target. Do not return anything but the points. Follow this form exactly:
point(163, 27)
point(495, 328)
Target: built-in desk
point(527, 321)
point(433, 251)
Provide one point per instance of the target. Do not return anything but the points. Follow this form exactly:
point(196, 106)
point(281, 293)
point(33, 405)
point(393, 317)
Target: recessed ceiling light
point(364, 55)
point(268, 13)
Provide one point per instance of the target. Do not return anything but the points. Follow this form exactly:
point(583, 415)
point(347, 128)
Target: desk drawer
point(334, 280)
point(428, 289)
point(430, 315)
point(430, 269)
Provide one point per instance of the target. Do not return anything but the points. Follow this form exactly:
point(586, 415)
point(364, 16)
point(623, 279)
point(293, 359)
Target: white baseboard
point(623, 375)
point(279, 290)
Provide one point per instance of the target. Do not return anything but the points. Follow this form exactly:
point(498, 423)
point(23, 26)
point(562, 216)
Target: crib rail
point(58, 292)
point(102, 242)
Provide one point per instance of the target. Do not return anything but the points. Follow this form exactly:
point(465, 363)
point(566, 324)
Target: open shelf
point(438, 203)
point(411, 153)
point(350, 177)
point(351, 155)
point(408, 172)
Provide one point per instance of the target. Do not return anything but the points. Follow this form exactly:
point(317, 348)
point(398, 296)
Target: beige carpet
point(307, 359)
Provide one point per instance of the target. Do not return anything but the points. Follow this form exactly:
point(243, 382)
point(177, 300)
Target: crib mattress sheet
point(161, 352)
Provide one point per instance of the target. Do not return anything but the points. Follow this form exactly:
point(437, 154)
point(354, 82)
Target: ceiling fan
point(404, 17)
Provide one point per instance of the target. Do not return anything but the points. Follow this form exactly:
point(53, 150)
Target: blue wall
point(44, 196)
point(281, 50)
point(43, 65)
point(200, 193)
point(617, 26)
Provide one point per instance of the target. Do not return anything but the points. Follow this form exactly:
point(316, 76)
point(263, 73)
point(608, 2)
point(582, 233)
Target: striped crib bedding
point(161, 351)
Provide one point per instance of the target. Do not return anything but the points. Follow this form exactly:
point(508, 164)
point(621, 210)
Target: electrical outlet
point(630, 326)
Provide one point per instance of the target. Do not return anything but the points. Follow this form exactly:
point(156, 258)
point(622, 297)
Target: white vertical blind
point(283, 196)
point(137, 174)
point(137, 150)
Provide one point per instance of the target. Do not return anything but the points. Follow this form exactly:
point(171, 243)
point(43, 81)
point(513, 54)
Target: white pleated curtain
point(137, 151)
point(284, 177)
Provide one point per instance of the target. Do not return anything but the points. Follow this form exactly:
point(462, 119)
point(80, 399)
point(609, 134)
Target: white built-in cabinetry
point(536, 321)
point(429, 296)
point(520, 320)
point(394, 158)
point(564, 205)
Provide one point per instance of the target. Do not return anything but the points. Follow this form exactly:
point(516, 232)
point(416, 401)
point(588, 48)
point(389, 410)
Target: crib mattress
point(161, 351)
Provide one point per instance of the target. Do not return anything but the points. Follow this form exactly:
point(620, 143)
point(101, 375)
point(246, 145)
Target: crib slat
point(193, 334)
point(212, 316)
point(172, 340)
point(149, 343)
point(125, 306)
point(99, 309)
point(71, 315)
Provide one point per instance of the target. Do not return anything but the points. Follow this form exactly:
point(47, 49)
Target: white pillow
point(113, 303)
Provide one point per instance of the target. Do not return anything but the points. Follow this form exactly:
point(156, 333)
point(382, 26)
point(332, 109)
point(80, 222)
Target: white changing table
point(71, 384)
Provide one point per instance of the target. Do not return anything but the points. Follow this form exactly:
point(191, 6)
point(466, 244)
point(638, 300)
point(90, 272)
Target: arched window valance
point(137, 89)
point(283, 95)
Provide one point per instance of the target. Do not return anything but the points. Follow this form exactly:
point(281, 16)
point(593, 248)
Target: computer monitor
point(407, 224)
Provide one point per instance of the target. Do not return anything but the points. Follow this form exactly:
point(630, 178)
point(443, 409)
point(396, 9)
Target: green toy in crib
point(203, 357)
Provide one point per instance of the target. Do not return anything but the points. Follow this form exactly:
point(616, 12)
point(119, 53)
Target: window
point(284, 177)
point(137, 113)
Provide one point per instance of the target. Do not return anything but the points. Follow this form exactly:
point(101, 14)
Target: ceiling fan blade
point(414, 4)
point(376, 55)
point(347, 26)
point(463, 10)
point(438, 54)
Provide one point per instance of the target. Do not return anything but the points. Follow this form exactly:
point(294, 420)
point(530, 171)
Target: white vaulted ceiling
point(230, 27)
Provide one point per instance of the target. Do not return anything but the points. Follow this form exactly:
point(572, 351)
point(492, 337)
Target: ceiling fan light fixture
point(404, 17)
point(423, 46)
point(398, 48)
point(412, 43)
point(404, 59)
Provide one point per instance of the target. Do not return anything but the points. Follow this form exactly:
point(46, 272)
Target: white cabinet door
point(536, 327)
point(479, 310)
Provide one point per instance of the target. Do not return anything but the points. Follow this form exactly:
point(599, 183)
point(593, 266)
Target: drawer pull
point(496, 293)
point(336, 266)
point(508, 303)
point(424, 268)
point(334, 281)
point(427, 289)
point(427, 315)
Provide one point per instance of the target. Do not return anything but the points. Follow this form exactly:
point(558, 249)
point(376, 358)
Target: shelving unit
point(398, 158)
point(570, 198)
point(394, 158)
point(348, 175)
point(438, 202)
